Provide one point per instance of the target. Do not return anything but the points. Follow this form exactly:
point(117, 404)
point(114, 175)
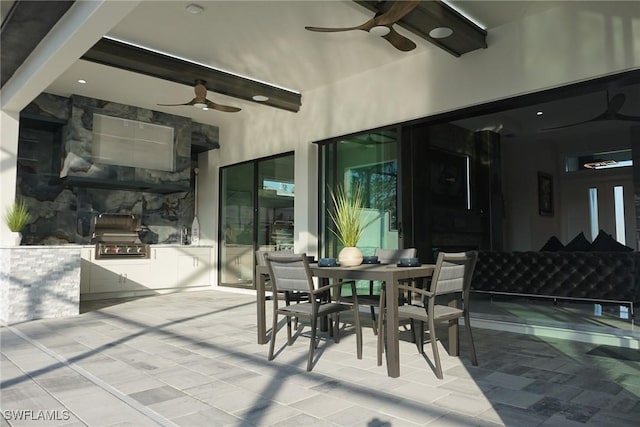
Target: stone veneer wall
point(63, 210)
point(39, 282)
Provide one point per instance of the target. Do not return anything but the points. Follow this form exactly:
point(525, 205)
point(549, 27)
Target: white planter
point(15, 237)
point(350, 256)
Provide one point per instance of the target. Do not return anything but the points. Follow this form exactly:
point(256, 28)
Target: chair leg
point(312, 344)
point(288, 330)
point(434, 346)
point(418, 334)
point(381, 327)
point(373, 318)
point(334, 328)
point(467, 323)
point(356, 317)
point(274, 329)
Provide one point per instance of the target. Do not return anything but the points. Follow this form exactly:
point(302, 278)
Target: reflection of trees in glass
point(380, 186)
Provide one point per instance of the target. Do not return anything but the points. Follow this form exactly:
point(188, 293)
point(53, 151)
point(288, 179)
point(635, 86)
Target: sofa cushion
point(553, 245)
point(579, 243)
point(605, 242)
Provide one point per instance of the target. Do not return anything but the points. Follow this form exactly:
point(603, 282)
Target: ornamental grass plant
point(17, 216)
point(346, 214)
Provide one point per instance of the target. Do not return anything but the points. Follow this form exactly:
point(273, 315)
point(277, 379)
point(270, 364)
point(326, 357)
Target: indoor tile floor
point(191, 359)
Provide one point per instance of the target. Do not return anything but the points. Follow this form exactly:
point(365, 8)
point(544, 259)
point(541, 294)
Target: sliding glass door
point(369, 160)
point(256, 212)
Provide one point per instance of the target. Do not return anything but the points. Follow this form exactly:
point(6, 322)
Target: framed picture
point(545, 194)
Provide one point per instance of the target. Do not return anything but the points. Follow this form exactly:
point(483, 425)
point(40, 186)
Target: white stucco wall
point(575, 42)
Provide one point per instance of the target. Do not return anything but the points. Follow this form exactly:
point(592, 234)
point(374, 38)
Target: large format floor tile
point(191, 359)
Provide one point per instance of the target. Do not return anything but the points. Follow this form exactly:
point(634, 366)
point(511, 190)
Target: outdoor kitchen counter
point(169, 268)
point(39, 282)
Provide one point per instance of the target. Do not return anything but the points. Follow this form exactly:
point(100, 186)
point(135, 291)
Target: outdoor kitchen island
point(168, 268)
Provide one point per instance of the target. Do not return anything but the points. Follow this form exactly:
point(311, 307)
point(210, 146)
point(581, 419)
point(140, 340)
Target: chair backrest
point(453, 272)
point(261, 255)
point(393, 256)
point(289, 272)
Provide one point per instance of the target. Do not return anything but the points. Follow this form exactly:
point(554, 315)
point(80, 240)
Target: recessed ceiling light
point(440, 32)
point(194, 9)
point(82, 81)
point(260, 98)
point(539, 113)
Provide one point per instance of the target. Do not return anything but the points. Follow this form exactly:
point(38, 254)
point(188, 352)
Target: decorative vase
point(350, 256)
point(15, 237)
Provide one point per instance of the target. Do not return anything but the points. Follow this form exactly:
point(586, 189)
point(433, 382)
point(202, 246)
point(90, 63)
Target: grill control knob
point(118, 249)
point(139, 249)
point(128, 249)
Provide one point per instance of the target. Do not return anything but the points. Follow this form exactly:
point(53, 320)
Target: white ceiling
point(266, 40)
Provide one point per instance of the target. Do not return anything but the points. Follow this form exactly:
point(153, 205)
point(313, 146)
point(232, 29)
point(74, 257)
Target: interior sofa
point(588, 276)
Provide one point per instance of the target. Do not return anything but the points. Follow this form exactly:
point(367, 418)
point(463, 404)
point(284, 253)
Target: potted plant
point(16, 218)
point(347, 221)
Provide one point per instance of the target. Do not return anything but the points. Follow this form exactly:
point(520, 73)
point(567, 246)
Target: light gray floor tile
point(189, 359)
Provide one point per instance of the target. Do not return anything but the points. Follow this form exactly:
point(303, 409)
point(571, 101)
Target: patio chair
point(452, 276)
point(289, 297)
point(385, 256)
point(292, 274)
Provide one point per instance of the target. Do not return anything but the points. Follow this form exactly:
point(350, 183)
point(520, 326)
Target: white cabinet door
point(118, 276)
point(193, 267)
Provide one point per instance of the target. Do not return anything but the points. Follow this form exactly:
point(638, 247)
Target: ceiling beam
point(140, 60)
point(466, 36)
point(26, 24)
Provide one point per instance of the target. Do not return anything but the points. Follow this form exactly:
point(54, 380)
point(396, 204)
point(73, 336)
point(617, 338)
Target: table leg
point(393, 345)
point(261, 309)
point(454, 337)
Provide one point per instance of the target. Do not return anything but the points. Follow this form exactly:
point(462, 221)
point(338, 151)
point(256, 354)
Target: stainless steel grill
point(116, 236)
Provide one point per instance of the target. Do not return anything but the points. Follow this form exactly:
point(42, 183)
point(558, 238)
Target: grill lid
point(111, 227)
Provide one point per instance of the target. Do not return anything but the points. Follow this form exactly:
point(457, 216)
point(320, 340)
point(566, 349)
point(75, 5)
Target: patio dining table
point(390, 274)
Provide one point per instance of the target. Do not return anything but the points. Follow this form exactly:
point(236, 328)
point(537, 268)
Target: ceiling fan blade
point(396, 12)
point(399, 41)
point(336, 30)
point(220, 107)
point(193, 101)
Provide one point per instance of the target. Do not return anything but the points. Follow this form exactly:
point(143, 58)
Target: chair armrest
point(419, 291)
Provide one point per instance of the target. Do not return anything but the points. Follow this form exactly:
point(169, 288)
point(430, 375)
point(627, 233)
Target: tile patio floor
point(191, 359)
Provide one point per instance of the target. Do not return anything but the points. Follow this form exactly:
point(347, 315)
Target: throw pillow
point(578, 244)
point(606, 243)
point(553, 245)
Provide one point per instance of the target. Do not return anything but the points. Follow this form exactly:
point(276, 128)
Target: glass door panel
point(256, 212)
point(236, 225)
point(369, 160)
point(275, 203)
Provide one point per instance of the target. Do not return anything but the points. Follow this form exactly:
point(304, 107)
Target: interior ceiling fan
point(612, 112)
point(382, 25)
point(201, 101)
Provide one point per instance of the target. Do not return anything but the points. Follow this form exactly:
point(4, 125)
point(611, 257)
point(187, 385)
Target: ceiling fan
point(612, 112)
point(201, 101)
point(382, 25)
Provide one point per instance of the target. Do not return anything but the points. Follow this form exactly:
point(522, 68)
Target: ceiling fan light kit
point(382, 25)
point(201, 101)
